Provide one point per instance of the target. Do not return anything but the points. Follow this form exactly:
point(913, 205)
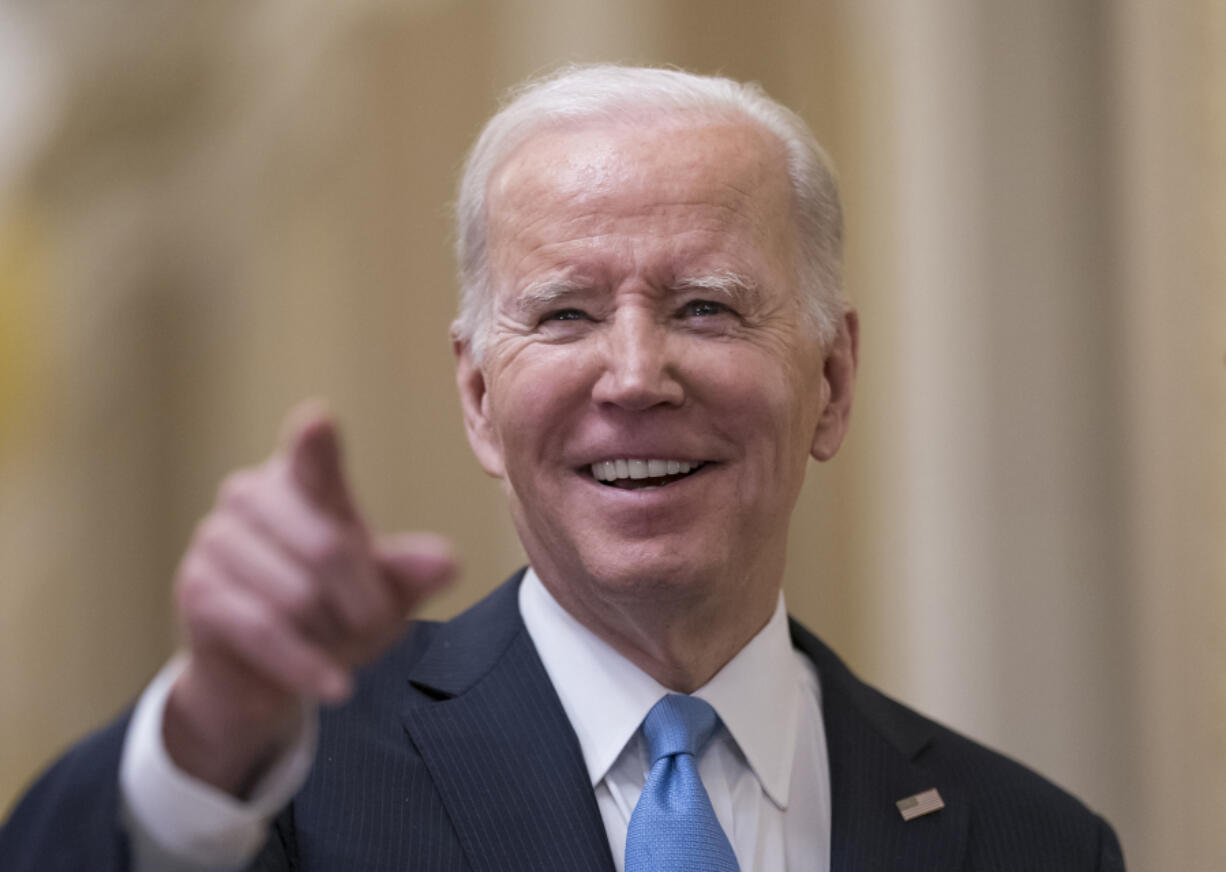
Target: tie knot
point(678, 724)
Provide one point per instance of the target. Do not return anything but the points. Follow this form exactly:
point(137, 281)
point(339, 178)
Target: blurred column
point(1168, 61)
point(83, 603)
point(1004, 597)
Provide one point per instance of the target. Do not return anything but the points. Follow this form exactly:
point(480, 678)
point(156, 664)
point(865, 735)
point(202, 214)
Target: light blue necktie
point(673, 827)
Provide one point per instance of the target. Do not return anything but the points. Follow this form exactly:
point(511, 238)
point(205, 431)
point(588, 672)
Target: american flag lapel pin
point(921, 804)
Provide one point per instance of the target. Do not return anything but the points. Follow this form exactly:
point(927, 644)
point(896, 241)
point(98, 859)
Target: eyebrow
point(729, 285)
point(541, 295)
point(546, 293)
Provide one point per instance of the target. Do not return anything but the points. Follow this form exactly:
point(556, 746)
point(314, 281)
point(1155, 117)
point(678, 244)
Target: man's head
point(651, 378)
point(616, 93)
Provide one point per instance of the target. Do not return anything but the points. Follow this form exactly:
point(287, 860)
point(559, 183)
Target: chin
point(663, 577)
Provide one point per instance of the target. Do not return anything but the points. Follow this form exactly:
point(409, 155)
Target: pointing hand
point(282, 593)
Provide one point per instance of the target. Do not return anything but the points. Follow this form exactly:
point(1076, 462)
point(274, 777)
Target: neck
point(680, 641)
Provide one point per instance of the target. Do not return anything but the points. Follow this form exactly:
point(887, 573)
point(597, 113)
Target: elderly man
point(652, 344)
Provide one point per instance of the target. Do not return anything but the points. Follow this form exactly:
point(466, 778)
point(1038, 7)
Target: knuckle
point(211, 532)
point(199, 612)
point(191, 585)
point(257, 624)
point(236, 488)
point(301, 603)
point(228, 490)
point(326, 549)
point(365, 619)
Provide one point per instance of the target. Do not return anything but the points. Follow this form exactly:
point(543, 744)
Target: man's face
point(646, 321)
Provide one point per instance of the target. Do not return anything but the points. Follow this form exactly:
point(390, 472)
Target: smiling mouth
point(642, 474)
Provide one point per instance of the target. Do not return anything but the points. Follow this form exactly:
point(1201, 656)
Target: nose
point(639, 369)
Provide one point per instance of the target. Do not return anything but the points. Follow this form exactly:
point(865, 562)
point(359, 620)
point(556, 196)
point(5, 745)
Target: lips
point(637, 473)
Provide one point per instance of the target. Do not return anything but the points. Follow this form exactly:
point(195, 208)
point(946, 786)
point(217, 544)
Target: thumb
point(415, 564)
point(313, 446)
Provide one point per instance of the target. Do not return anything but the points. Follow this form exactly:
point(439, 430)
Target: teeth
point(612, 470)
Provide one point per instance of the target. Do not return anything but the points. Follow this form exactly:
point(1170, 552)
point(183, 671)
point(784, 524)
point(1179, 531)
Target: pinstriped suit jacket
point(455, 754)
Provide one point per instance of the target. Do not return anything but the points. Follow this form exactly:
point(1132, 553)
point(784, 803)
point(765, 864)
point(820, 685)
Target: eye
point(566, 315)
point(703, 309)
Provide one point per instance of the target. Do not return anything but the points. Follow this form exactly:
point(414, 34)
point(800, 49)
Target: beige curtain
point(211, 210)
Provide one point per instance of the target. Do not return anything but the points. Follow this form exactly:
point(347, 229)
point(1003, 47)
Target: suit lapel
point(876, 758)
point(500, 749)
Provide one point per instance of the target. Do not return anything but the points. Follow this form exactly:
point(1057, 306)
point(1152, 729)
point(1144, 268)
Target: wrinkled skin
point(283, 591)
point(646, 306)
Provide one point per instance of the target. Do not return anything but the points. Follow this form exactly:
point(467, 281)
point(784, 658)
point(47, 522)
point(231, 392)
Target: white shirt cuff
point(177, 822)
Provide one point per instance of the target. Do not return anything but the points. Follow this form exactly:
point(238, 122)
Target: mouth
point(628, 474)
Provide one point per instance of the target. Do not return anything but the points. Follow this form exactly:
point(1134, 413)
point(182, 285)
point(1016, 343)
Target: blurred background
point(209, 211)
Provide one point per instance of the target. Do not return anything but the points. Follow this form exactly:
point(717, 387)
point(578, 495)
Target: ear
point(838, 384)
point(474, 401)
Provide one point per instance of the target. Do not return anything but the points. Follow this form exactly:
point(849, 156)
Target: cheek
point(761, 407)
point(748, 386)
point(532, 404)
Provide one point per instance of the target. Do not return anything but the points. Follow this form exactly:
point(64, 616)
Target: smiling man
point(646, 310)
point(652, 344)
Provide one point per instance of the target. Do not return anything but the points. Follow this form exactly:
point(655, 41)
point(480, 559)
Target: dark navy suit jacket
point(455, 754)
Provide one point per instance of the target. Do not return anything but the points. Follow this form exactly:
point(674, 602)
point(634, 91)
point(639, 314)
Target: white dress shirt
point(178, 823)
point(766, 769)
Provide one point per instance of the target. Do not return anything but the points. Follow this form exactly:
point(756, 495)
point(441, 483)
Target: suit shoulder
point(922, 739)
point(1014, 808)
point(81, 787)
point(989, 773)
point(1023, 809)
point(1016, 811)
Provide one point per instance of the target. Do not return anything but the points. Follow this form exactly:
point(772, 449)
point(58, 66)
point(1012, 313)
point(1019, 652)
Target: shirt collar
point(606, 697)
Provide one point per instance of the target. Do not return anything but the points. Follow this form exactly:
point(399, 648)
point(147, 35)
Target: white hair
point(616, 94)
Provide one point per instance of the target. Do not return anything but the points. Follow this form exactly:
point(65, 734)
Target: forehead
point(688, 180)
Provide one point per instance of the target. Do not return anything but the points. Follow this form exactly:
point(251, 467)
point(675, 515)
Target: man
point(652, 343)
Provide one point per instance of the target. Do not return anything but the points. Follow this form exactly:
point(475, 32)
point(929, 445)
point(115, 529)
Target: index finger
point(313, 449)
